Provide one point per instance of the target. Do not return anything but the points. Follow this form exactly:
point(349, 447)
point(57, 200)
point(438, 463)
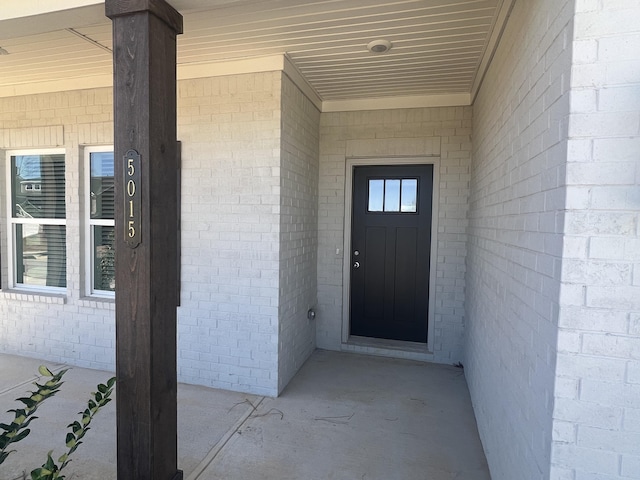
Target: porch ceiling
point(440, 47)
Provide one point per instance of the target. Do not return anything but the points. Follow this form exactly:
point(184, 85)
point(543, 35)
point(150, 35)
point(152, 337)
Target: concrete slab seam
point(215, 450)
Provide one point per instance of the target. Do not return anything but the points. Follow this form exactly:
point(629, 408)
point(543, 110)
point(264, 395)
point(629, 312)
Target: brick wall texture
point(230, 128)
point(298, 230)
point(552, 284)
point(597, 398)
point(72, 328)
point(515, 239)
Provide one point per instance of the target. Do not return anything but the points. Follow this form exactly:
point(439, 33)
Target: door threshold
point(382, 347)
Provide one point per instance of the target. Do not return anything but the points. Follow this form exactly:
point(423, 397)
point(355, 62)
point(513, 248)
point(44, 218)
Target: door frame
point(351, 163)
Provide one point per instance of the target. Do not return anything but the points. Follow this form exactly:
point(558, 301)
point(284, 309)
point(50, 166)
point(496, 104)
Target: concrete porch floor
point(342, 417)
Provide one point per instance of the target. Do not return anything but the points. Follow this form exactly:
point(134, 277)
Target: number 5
point(132, 230)
point(130, 169)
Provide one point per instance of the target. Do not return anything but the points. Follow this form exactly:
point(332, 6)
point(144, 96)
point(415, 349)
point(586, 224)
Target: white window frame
point(91, 222)
point(12, 222)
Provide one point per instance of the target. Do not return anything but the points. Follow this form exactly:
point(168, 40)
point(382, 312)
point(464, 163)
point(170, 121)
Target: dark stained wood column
point(147, 205)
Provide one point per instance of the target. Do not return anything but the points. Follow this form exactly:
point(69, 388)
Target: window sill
point(98, 302)
point(31, 296)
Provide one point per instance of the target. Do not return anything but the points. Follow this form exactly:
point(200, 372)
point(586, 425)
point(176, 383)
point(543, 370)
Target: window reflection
point(376, 195)
point(104, 275)
point(409, 195)
point(41, 257)
point(393, 195)
point(38, 219)
point(102, 185)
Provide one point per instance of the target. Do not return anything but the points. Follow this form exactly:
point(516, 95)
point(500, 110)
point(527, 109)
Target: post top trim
point(159, 8)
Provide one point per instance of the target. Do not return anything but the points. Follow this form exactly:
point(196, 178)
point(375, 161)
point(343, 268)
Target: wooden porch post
point(146, 213)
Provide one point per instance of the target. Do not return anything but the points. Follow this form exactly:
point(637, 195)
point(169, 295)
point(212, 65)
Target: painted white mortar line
point(215, 450)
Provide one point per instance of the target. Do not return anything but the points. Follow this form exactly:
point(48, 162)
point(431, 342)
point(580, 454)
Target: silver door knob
point(356, 264)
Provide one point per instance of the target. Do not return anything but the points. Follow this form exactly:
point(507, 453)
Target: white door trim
point(348, 202)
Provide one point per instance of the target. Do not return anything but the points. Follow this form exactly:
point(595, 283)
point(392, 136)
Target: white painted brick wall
point(68, 328)
point(599, 340)
point(515, 241)
point(228, 318)
point(298, 230)
point(385, 134)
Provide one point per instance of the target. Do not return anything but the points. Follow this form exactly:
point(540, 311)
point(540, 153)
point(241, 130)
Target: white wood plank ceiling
point(439, 47)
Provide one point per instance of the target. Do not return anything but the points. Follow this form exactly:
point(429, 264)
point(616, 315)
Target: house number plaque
point(133, 227)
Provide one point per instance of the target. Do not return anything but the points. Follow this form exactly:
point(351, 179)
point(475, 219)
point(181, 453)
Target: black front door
point(391, 246)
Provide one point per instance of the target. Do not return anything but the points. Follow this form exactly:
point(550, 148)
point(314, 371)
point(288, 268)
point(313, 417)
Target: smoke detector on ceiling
point(379, 46)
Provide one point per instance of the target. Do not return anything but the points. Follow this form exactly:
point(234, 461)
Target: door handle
point(356, 264)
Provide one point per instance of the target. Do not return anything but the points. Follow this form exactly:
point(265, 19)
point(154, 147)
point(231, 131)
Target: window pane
point(409, 195)
point(38, 186)
point(102, 185)
point(376, 195)
point(41, 255)
point(392, 196)
point(104, 272)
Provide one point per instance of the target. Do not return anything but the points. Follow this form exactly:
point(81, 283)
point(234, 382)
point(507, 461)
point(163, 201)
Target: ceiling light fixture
point(379, 46)
point(3, 51)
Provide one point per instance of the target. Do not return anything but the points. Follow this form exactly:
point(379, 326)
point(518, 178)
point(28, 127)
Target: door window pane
point(409, 195)
point(376, 195)
point(393, 195)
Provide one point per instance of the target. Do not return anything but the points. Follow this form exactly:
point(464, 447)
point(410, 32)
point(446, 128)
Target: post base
point(178, 476)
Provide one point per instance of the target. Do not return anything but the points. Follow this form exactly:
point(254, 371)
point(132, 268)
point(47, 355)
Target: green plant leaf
point(71, 440)
point(38, 474)
point(44, 371)
point(29, 402)
point(75, 426)
point(21, 435)
point(37, 397)
point(50, 465)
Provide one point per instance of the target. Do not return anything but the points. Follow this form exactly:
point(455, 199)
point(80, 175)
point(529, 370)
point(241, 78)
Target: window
point(37, 219)
point(393, 195)
point(101, 226)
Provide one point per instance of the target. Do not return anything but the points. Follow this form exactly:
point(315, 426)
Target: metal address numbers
point(132, 231)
